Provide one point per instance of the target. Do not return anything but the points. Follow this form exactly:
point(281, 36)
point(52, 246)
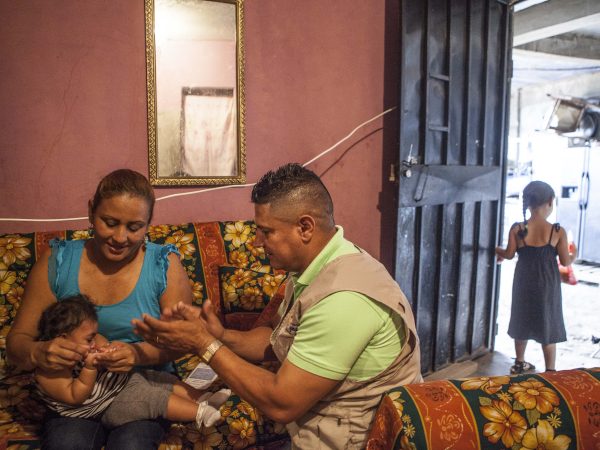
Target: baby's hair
point(64, 316)
point(535, 194)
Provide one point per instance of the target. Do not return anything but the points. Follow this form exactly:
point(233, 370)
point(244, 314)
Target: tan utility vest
point(341, 420)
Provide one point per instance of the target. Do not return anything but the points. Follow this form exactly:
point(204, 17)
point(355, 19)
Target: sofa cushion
point(203, 247)
point(245, 294)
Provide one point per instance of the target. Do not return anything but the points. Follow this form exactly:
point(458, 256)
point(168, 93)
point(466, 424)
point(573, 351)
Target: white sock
point(218, 398)
point(211, 416)
point(208, 407)
point(206, 415)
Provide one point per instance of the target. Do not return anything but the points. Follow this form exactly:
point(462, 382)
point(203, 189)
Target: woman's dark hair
point(64, 316)
point(124, 181)
point(535, 194)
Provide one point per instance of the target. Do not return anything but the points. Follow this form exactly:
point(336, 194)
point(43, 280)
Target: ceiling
point(554, 39)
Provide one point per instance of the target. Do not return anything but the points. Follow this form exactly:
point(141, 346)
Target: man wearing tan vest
point(344, 333)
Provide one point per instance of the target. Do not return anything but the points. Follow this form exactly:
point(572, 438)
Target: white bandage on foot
point(206, 415)
point(211, 416)
point(218, 398)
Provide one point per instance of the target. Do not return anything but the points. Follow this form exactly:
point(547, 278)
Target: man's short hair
point(294, 185)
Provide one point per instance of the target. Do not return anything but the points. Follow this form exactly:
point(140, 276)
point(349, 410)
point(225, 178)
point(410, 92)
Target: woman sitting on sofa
point(127, 277)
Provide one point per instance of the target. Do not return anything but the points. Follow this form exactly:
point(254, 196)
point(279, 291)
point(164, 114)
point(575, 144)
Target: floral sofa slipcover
point(550, 410)
point(222, 265)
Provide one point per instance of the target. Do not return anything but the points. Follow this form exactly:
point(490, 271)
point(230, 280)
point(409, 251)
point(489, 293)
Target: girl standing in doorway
point(536, 311)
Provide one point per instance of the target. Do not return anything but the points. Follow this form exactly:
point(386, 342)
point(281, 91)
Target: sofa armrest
point(560, 407)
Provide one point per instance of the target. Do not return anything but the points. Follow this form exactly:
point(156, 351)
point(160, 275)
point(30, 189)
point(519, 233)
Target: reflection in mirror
point(195, 91)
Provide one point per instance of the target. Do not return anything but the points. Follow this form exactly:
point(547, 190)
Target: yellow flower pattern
point(242, 433)
point(542, 437)
point(533, 394)
point(489, 385)
point(249, 289)
point(247, 409)
point(183, 242)
point(81, 235)
point(230, 294)
point(4, 314)
point(14, 296)
point(515, 412)
point(13, 248)
point(158, 231)
point(252, 298)
point(7, 279)
point(197, 291)
point(554, 420)
point(256, 252)
point(504, 423)
point(241, 277)
point(398, 401)
point(238, 258)
point(205, 438)
point(237, 233)
point(270, 283)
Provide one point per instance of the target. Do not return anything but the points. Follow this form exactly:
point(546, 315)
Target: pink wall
point(73, 96)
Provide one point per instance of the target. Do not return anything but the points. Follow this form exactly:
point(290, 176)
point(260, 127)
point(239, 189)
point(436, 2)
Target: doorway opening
point(555, 144)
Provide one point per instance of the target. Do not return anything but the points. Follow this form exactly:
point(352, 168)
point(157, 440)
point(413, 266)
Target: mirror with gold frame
point(195, 85)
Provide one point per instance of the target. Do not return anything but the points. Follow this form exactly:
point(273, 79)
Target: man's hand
point(183, 329)
point(213, 324)
point(206, 312)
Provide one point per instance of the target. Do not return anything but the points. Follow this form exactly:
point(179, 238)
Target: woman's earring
point(91, 231)
point(146, 240)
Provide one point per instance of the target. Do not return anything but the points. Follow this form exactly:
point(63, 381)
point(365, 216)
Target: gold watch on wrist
point(211, 350)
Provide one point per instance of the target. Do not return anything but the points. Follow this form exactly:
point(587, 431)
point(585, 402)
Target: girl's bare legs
point(520, 347)
point(549, 356)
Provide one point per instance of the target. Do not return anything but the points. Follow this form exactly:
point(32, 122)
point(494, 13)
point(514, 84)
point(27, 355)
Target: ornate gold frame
point(155, 179)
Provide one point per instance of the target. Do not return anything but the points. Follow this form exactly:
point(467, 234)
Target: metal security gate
point(454, 97)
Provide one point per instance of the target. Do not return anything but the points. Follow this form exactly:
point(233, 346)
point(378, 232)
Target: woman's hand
point(117, 357)
point(58, 354)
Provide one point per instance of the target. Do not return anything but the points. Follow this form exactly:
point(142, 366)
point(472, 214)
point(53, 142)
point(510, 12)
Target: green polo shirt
point(346, 335)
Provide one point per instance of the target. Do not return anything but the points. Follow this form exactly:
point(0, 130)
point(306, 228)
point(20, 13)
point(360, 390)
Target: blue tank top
point(114, 321)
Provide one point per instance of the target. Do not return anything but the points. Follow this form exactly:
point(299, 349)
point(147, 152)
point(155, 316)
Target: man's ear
point(306, 225)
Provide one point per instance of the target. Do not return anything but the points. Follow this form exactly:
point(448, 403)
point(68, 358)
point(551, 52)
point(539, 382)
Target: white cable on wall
point(323, 153)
